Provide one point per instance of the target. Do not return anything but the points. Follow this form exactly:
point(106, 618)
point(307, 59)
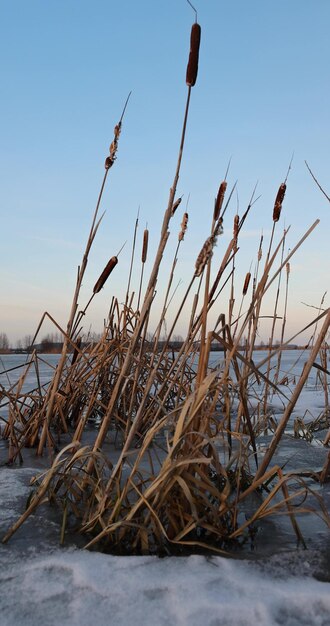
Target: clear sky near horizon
point(262, 93)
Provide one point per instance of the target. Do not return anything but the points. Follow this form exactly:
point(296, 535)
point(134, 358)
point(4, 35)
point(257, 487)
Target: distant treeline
point(56, 347)
point(53, 344)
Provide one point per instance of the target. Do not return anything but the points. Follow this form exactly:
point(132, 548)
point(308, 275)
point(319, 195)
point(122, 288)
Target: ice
point(77, 587)
point(43, 584)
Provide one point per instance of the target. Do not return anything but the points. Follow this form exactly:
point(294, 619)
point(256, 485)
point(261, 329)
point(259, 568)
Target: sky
point(261, 95)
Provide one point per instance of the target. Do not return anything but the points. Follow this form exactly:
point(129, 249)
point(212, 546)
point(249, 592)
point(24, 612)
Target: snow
point(43, 584)
point(74, 587)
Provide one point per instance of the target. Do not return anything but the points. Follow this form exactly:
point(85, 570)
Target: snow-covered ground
point(44, 584)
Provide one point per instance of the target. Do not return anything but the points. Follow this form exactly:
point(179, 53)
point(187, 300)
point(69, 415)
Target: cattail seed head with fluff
point(278, 202)
point(192, 67)
point(236, 224)
point(219, 200)
point(204, 256)
point(175, 205)
point(145, 245)
point(184, 225)
point(219, 228)
point(246, 283)
point(109, 161)
point(116, 130)
point(105, 274)
point(235, 231)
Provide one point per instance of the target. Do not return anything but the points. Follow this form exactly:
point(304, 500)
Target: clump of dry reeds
point(174, 458)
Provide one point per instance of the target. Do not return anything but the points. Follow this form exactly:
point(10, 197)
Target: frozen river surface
point(44, 584)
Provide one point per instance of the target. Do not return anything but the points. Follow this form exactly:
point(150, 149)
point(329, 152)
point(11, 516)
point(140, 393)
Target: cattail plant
point(204, 256)
point(244, 292)
point(219, 200)
point(175, 205)
point(145, 246)
point(109, 161)
point(184, 225)
point(192, 67)
point(278, 202)
point(246, 283)
point(276, 214)
point(176, 479)
point(143, 260)
point(105, 274)
point(236, 229)
point(71, 324)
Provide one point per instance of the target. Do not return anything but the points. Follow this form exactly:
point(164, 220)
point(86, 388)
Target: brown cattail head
point(184, 225)
point(236, 224)
point(235, 231)
point(175, 205)
point(278, 202)
point(246, 283)
point(108, 162)
point(192, 67)
point(287, 267)
point(204, 256)
point(145, 245)
point(105, 274)
point(219, 200)
point(116, 130)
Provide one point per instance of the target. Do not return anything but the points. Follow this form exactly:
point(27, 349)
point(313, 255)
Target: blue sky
point(67, 66)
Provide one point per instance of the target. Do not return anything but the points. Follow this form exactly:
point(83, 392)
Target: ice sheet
point(42, 584)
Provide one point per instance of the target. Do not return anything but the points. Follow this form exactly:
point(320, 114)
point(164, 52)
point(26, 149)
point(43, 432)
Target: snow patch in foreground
point(43, 585)
point(82, 588)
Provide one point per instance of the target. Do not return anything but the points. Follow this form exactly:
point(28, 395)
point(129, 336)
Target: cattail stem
point(202, 362)
point(279, 358)
point(149, 295)
point(132, 258)
point(74, 306)
point(271, 339)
